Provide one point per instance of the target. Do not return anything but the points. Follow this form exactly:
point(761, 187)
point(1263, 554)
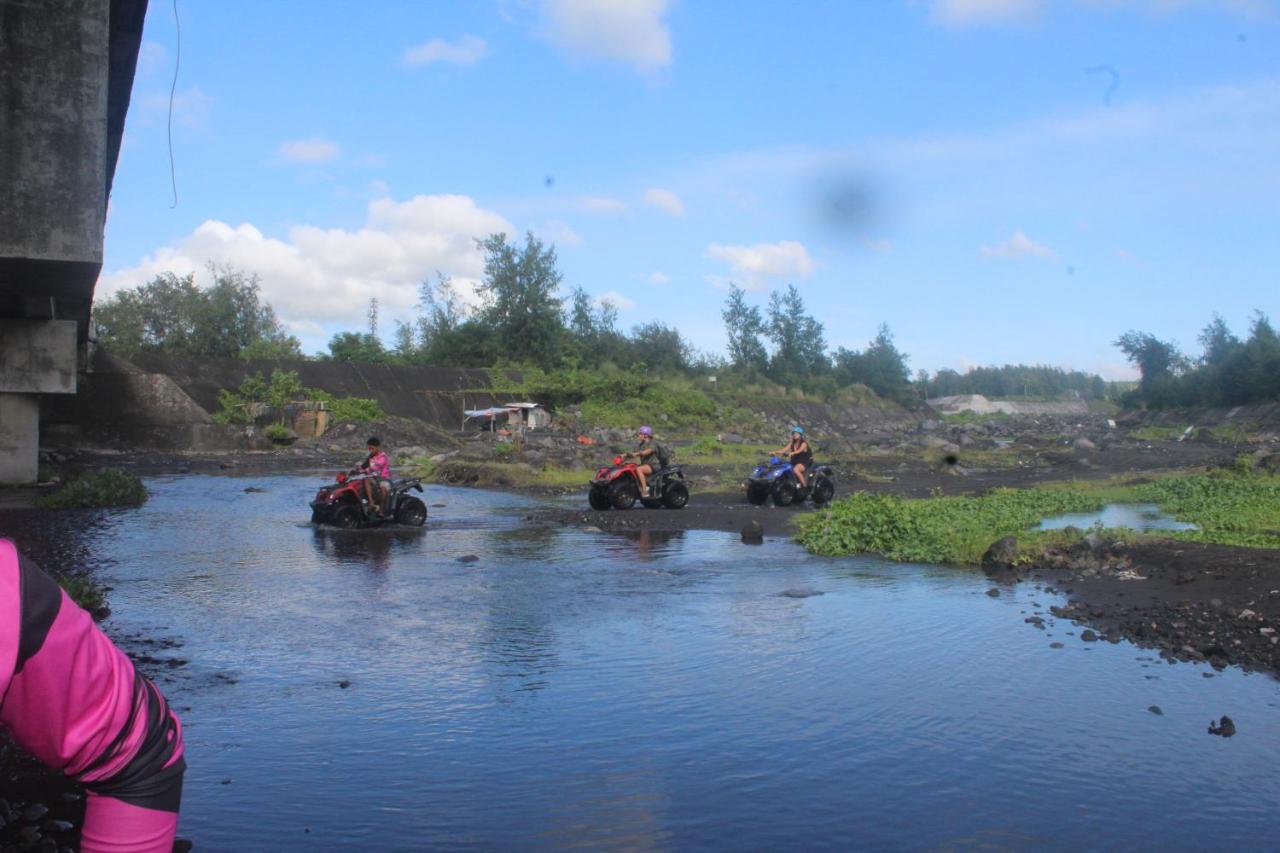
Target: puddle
point(1139, 517)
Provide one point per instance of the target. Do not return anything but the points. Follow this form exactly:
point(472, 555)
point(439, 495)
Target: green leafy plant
point(107, 488)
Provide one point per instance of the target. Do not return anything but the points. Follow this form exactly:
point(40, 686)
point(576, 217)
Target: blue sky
point(997, 180)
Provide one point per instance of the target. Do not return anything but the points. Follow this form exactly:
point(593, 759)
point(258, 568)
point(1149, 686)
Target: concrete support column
point(36, 357)
point(19, 438)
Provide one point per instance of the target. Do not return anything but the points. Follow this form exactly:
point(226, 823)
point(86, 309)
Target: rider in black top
point(799, 452)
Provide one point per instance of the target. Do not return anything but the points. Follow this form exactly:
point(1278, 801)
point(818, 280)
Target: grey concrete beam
point(38, 356)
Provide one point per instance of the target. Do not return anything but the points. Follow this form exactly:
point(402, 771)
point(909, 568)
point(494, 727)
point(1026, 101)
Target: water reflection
point(373, 547)
point(1140, 517)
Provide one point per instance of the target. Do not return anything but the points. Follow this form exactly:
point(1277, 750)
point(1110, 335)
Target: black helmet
point(374, 441)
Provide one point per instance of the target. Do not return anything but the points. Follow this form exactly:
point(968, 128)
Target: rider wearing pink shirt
point(74, 701)
point(379, 468)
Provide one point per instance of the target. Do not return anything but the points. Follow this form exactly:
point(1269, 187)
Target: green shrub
point(105, 488)
point(278, 433)
point(353, 408)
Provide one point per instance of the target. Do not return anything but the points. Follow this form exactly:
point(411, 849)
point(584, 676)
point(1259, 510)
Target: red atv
point(618, 486)
point(343, 503)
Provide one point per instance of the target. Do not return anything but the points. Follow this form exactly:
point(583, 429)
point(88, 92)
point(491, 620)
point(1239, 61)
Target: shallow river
point(679, 691)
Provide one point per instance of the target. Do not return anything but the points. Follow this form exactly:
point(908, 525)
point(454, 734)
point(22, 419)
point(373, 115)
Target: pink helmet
point(644, 430)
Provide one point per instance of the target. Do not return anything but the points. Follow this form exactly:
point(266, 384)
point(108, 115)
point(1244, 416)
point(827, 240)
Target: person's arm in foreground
point(74, 701)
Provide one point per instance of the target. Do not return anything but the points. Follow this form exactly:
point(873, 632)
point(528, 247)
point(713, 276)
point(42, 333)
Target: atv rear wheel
point(676, 495)
point(411, 512)
point(823, 492)
point(598, 498)
point(784, 493)
point(757, 494)
point(623, 494)
point(347, 516)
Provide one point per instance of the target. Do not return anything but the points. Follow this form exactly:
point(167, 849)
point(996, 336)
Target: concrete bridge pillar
point(36, 357)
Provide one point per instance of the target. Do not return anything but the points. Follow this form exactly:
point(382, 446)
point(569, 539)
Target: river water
point(676, 691)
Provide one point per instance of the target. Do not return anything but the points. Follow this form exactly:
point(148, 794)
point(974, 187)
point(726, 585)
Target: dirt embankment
point(1191, 601)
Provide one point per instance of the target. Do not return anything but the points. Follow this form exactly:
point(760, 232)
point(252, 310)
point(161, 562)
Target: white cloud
point(876, 245)
point(1019, 246)
point(317, 275)
point(151, 58)
point(602, 205)
point(467, 50)
point(309, 151)
point(616, 299)
point(559, 233)
point(191, 108)
point(659, 278)
point(632, 32)
point(754, 266)
point(968, 13)
point(664, 200)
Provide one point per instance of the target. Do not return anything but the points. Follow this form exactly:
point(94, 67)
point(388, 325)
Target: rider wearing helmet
point(651, 455)
point(799, 452)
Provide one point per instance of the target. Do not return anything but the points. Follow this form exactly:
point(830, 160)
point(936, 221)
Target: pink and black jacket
point(74, 701)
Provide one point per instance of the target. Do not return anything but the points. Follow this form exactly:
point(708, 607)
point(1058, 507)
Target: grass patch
point(107, 488)
point(1235, 432)
point(1152, 432)
point(84, 591)
point(707, 450)
point(511, 474)
point(1228, 507)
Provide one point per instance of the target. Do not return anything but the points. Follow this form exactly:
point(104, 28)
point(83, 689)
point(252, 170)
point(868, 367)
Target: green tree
point(518, 299)
point(170, 313)
point(357, 348)
point(743, 327)
point(799, 347)
point(881, 367)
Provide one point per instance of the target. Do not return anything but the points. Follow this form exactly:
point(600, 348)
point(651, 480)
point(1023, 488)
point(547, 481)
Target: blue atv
point(775, 479)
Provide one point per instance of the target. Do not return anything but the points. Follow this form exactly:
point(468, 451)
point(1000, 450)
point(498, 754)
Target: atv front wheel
point(757, 494)
point(599, 499)
point(823, 492)
point(411, 512)
point(784, 493)
point(676, 495)
point(623, 494)
point(316, 516)
point(347, 517)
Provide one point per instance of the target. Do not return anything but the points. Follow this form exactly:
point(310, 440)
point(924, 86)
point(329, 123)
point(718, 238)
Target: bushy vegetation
point(934, 530)
point(171, 313)
point(1038, 382)
point(106, 488)
point(284, 387)
point(1229, 371)
point(1228, 508)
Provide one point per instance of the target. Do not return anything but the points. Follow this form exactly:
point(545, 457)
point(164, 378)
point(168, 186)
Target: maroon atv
point(343, 503)
point(618, 486)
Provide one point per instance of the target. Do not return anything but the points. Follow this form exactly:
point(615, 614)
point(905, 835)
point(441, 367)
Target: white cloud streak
point(664, 200)
point(754, 267)
point(467, 50)
point(971, 13)
point(309, 151)
point(1019, 246)
point(632, 32)
point(602, 205)
point(617, 300)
